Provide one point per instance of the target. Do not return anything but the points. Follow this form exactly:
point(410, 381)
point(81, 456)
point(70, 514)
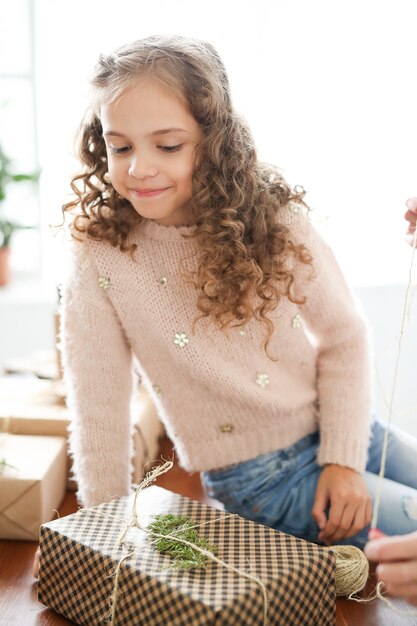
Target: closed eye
point(122, 150)
point(171, 148)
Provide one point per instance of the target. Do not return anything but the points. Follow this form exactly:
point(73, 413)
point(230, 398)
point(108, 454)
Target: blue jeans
point(277, 489)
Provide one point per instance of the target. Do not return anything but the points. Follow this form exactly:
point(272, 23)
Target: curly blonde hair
point(243, 268)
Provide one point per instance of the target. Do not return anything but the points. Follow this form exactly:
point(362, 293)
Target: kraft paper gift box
point(80, 553)
point(30, 406)
point(32, 483)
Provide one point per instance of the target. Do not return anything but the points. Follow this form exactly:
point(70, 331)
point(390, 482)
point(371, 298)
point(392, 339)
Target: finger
point(400, 578)
point(411, 217)
point(398, 574)
point(333, 523)
point(319, 508)
point(359, 521)
point(352, 522)
point(375, 533)
point(371, 549)
point(411, 204)
point(346, 523)
point(397, 548)
point(328, 532)
point(368, 514)
point(403, 591)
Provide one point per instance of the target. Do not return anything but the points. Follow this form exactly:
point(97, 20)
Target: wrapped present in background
point(81, 552)
point(33, 406)
point(33, 474)
point(42, 364)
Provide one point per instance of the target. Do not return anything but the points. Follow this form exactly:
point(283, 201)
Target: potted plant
point(7, 226)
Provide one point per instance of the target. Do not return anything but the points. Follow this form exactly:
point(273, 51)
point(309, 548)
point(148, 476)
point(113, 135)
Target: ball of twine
point(352, 569)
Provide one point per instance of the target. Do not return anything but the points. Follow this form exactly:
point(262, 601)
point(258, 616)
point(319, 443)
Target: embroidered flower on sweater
point(295, 207)
point(157, 389)
point(262, 380)
point(296, 321)
point(181, 339)
point(104, 282)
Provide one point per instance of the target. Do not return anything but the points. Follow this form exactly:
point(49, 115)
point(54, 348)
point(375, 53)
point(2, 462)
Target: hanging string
point(374, 522)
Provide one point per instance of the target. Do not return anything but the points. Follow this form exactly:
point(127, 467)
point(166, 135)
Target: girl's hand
point(350, 504)
point(398, 564)
point(411, 217)
point(36, 562)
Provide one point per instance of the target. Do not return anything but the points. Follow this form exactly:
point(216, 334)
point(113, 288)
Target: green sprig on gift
point(185, 557)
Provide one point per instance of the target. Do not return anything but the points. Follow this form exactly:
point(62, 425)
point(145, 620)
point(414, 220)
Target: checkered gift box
point(80, 555)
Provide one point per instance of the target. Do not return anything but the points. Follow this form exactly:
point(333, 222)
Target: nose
point(142, 165)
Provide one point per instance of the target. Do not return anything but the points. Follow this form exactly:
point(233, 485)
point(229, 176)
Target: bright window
point(18, 128)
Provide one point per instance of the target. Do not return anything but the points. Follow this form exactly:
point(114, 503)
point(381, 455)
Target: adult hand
point(36, 563)
point(350, 505)
point(398, 564)
point(411, 217)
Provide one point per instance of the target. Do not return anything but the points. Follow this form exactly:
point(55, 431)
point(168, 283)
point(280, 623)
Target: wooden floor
point(18, 589)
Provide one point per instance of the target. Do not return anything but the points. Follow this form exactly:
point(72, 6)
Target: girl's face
point(150, 138)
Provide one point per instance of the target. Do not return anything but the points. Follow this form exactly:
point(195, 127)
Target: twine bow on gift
point(208, 554)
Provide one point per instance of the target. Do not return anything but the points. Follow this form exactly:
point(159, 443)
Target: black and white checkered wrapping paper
point(79, 556)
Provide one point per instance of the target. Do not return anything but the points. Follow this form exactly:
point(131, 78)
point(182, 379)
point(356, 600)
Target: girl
point(198, 264)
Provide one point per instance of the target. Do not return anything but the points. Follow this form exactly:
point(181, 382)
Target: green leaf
point(7, 177)
point(185, 557)
point(17, 178)
point(7, 229)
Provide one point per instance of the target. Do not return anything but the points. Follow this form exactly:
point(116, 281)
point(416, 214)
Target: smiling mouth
point(148, 193)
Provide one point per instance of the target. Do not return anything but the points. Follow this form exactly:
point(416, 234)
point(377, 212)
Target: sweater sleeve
point(98, 377)
point(332, 318)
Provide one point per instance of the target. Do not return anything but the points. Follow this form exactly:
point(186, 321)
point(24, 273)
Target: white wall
point(27, 322)
point(383, 307)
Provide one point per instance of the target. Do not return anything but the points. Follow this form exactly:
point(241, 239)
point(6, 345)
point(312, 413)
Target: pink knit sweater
point(221, 398)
